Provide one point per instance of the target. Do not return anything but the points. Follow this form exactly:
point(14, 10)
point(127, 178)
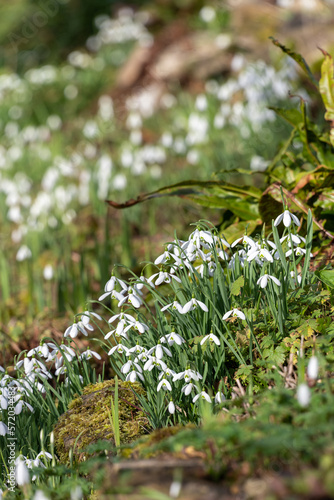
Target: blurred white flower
point(303, 395)
point(23, 253)
point(313, 368)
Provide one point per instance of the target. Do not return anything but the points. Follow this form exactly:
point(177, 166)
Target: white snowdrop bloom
point(167, 373)
point(212, 338)
point(112, 282)
point(171, 407)
point(313, 368)
point(81, 326)
point(165, 385)
point(88, 354)
point(153, 362)
point(41, 350)
point(207, 14)
point(164, 258)
point(162, 277)
point(287, 217)
point(133, 375)
point(130, 365)
point(120, 348)
point(159, 350)
point(303, 394)
point(263, 280)
point(134, 121)
point(137, 349)
point(67, 352)
point(235, 313)
point(176, 306)
point(298, 251)
point(259, 252)
point(219, 397)
point(193, 304)
point(245, 241)
point(48, 272)
point(202, 395)
point(172, 338)
point(296, 239)
point(187, 375)
point(133, 296)
point(187, 388)
point(21, 472)
point(113, 294)
point(23, 253)
point(3, 429)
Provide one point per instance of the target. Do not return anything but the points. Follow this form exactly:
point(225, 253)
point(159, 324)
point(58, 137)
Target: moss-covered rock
point(87, 419)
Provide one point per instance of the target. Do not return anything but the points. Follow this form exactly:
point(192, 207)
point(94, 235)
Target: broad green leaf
point(237, 285)
point(237, 230)
point(292, 116)
point(246, 210)
point(326, 276)
point(326, 85)
point(298, 58)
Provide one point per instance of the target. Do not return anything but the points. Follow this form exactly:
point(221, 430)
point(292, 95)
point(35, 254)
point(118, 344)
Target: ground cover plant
point(228, 331)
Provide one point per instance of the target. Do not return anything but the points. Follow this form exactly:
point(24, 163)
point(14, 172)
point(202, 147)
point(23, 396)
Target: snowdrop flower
point(163, 258)
point(137, 349)
point(165, 385)
point(295, 239)
point(187, 375)
point(202, 395)
point(188, 388)
point(160, 350)
point(133, 297)
point(3, 429)
point(130, 365)
point(120, 348)
point(21, 472)
point(113, 295)
point(298, 251)
point(235, 313)
point(133, 375)
point(81, 326)
point(303, 395)
point(219, 397)
point(287, 217)
point(154, 362)
point(313, 368)
point(172, 338)
point(171, 407)
point(42, 350)
point(167, 373)
point(176, 306)
point(163, 277)
point(259, 252)
point(193, 304)
point(263, 280)
point(245, 240)
point(89, 354)
point(23, 253)
point(212, 338)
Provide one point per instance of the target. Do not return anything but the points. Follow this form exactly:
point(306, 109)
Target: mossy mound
point(87, 419)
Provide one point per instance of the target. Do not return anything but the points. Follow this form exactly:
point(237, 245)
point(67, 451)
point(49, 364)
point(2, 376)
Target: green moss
point(87, 419)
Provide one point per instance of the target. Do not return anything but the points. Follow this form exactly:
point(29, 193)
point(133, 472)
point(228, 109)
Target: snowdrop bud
point(303, 395)
point(22, 473)
point(171, 407)
point(313, 368)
